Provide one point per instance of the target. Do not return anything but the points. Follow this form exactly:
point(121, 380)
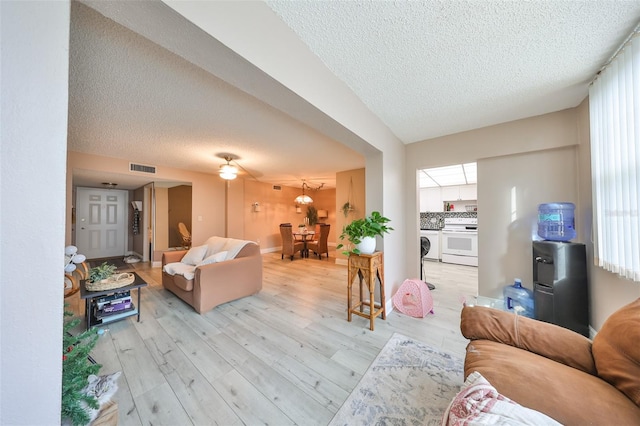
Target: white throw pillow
point(214, 258)
point(194, 255)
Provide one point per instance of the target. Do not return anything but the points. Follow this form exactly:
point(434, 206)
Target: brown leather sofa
point(555, 371)
point(216, 283)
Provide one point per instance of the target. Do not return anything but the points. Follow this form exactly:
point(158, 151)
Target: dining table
point(305, 237)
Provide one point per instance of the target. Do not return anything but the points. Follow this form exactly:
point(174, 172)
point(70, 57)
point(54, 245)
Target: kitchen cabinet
point(459, 192)
point(468, 192)
point(430, 200)
point(434, 199)
point(450, 193)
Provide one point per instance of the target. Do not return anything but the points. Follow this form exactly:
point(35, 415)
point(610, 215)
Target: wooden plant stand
point(367, 267)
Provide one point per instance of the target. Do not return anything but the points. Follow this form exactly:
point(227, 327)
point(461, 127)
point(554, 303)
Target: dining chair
point(320, 246)
point(289, 245)
point(185, 235)
point(316, 235)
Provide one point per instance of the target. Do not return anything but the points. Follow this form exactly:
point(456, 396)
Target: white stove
point(461, 224)
point(460, 240)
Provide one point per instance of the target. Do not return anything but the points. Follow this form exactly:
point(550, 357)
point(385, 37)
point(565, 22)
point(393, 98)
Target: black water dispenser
point(560, 290)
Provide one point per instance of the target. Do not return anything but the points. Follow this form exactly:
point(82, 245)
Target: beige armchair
point(319, 247)
point(289, 245)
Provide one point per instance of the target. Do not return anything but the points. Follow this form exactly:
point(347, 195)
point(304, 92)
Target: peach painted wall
point(162, 219)
point(208, 210)
point(350, 186)
point(276, 207)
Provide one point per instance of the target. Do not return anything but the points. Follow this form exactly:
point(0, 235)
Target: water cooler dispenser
point(560, 290)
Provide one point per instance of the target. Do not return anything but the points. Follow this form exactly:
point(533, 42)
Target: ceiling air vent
point(141, 168)
point(277, 188)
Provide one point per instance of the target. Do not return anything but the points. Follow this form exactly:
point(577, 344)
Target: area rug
point(409, 383)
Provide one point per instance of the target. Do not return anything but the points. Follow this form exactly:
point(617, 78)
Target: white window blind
point(614, 105)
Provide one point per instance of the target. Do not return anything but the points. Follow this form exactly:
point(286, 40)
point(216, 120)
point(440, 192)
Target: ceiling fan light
point(228, 172)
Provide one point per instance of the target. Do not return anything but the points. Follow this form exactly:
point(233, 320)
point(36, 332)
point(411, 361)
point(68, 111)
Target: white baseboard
point(270, 250)
point(592, 332)
point(156, 264)
point(389, 306)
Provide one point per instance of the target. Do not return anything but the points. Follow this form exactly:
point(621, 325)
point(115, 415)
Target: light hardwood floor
point(284, 356)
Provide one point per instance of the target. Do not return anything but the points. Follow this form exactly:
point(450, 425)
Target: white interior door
point(101, 223)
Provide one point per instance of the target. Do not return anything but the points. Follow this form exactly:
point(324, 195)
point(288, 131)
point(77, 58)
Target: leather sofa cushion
point(568, 395)
point(183, 283)
point(548, 340)
point(616, 350)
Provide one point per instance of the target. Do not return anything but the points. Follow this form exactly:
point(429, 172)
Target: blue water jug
point(517, 296)
point(556, 221)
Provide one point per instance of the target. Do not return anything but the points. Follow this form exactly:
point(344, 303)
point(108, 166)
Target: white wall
point(35, 44)
point(512, 187)
point(545, 132)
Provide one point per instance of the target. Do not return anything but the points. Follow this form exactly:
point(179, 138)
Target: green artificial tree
point(312, 215)
point(76, 369)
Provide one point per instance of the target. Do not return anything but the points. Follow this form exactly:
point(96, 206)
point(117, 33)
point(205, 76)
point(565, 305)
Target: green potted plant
point(362, 232)
point(101, 272)
point(312, 215)
point(347, 208)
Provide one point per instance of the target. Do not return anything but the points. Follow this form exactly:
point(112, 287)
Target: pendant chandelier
point(304, 198)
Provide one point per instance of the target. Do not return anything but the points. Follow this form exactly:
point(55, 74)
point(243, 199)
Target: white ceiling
point(432, 68)
point(425, 68)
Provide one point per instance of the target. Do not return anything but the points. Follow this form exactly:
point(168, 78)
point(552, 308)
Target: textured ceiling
point(424, 68)
point(130, 98)
point(432, 68)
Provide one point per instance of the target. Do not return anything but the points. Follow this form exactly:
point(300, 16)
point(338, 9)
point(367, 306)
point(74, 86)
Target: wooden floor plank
point(210, 364)
point(105, 354)
point(199, 399)
point(160, 406)
point(141, 375)
point(251, 405)
point(286, 355)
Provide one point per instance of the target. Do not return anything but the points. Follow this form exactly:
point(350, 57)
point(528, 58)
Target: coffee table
point(92, 299)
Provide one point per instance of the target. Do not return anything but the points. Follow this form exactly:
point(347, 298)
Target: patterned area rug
point(409, 383)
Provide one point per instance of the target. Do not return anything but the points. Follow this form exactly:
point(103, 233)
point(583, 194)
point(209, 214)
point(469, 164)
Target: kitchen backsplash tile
point(426, 221)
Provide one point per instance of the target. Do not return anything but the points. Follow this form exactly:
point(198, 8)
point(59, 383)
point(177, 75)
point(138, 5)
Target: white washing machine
point(434, 239)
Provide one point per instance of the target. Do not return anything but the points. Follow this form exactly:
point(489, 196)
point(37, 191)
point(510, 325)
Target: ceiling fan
point(232, 168)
